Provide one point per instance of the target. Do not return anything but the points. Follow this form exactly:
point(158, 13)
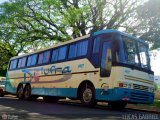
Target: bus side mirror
point(106, 69)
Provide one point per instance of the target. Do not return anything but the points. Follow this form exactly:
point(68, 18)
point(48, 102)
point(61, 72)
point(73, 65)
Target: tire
point(87, 95)
point(50, 99)
point(27, 92)
point(117, 105)
point(20, 92)
point(1, 93)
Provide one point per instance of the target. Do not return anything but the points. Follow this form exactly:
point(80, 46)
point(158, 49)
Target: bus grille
point(139, 97)
point(140, 87)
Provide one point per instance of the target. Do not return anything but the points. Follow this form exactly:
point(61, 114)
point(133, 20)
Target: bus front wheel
point(87, 95)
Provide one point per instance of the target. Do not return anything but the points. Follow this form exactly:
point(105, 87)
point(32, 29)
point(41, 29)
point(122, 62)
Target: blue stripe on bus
point(60, 92)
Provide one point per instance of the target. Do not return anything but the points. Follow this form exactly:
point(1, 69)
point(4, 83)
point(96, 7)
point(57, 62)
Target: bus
point(107, 65)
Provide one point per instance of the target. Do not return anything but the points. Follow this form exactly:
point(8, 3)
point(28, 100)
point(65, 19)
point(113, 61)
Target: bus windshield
point(136, 53)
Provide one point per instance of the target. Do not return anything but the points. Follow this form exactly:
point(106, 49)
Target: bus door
point(106, 59)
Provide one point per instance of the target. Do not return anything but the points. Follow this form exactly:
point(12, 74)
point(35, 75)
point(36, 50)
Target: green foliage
point(27, 25)
point(157, 103)
point(3, 73)
point(149, 15)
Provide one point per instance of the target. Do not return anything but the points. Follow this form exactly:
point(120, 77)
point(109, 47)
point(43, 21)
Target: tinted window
point(82, 48)
point(96, 45)
point(44, 57)
point(59, 54)
point(29, 61)
point(32, 60)
point(72, 51)
point(78, 49)
point(13, 64)
point(55, 55)
point(40, 58)
point(62, 53)
point(19, 63)
point(22, 62)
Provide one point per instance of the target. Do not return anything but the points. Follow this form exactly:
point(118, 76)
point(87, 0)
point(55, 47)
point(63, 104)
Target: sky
point(1, 1)
point(155, 61)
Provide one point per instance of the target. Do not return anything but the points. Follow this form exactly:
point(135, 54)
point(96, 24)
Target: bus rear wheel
point(87, 95)
point(27, 92)
point(20, 91)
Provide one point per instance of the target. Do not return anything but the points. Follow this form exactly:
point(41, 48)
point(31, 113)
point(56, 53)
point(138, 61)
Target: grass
point(156, 103)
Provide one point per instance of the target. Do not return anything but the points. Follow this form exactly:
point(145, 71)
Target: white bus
point(107, 65)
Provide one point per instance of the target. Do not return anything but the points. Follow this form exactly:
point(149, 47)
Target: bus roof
point(122, 33)
point(83, 37)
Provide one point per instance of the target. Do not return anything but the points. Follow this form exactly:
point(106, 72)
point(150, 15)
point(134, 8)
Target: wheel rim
point(20, 92)
point(87, 95)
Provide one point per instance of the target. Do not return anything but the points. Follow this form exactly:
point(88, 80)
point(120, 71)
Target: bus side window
point(22, 62)
point(13, 64)
point(19, 62)
point(33, 59)
point(72, 51)
point(46, 56)
point(82, 48)
point(40, 58)
point(54, 55)
point(95, 54)
point(78, 49)
point(96, 45)
point(29, 61)
point(62, 53)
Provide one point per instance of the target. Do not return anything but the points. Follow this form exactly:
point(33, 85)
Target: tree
point(28, 24)
point(149, 15)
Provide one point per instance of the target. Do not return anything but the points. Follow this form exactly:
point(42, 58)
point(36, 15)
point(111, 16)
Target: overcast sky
point(1, 1)
point(155, 60)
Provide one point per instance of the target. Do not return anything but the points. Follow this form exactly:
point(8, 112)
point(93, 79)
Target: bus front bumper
point(125, 94)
